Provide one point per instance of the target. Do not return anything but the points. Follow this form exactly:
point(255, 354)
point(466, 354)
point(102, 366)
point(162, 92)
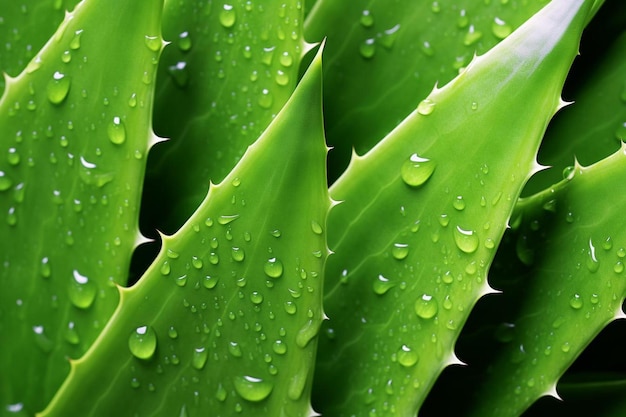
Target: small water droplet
point(565, 347)
point(463, 20)
point(196, 262)
point(226, 219)
point(179, 73)
point(42, 340)
point(227, 16)
point(75, 42)
point(221, 393)
point(184, 41)
point(252, 389)
point(400, 251)
point(165, 268)
point(426, 306)
point(366, 19)
point(427, 49)
point(5, 181)
point(71, 335)
point(435, 7)
point(265, 99)
point(256, 297)
point(416, 170)
point(389, 36)
point(172, 332)
point(500, 28)
point(316, 227)
point(459, 203)
point(116, 131)
point(286, 60)
point(426, 107)
point(199, 358)
point(210, 282)
point(181, 281)
point(576, 302)
point(46, 270)
point(407, 357)
point(592, 262)
point(82, 291)
point(153, 43)
point(58, 88)
point(235, 350)
point(142, 342)
point(381, 285)
point(307, 333)
point(13, 157)
point(290, 307)
point(472, 36)
point(466, 240)
point(368, 48)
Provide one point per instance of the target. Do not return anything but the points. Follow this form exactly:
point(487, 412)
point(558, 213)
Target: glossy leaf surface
point(72, 161)
point(225, 321)
point(422, 214)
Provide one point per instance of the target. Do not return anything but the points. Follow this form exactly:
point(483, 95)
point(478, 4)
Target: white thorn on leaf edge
point(551, 392)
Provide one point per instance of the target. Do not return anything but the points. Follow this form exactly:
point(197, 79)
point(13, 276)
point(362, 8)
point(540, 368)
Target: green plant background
point(204, 213)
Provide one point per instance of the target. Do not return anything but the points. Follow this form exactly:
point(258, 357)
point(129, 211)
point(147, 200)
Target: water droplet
point(252, 389)
point(234, 349)
point(71, 335)
point(426, 306)
point(75, 42)
point(367, 20)
point(290, 307)
point(256, 297)
point(196, 262)
point(228, 17)
point(210, 282)
point(265, 99)
point(472, 36)
point(286, 60)
point(463, 20)
point(184, 42)
point(117, 131)
point(221, 393)
point(82, 291)
point(179, 73)
point(466, 240)
point(58, 88)
point(226, 219)
point(426, 107)
point(13, 158)
point(273, 268)
point(172, 332)
point(416, 170)
point(368, 48)
point(389, 36)
point(42, 340)
point(279, 347)
point(46, 271)
point(5, 181)
point(382, 285)
point(576, 302)
point(214, 258)
point(181, 281)
point(427, 50)
point(316, 227)
point(500, 28)
point(407, 357)
point(307, 333)
point(142, 342)
point(592, 262)
point(459, 203)
point(166, 268)
point(435, 7)
point(565, 347)
point(199, 358)
point(237, 254)
point(400, 251)
point(153, 43)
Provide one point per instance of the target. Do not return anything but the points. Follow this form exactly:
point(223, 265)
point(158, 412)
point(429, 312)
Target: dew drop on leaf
point(279, 347)
point(237, 254)
point(46, 271)
point(184, 41)
point(82, 291)
point(265, 99)
point(221, 393)
point(407, 357)
point(226, 219)
point(256, 297)
point(576, 302)
point(75, 42)
point(273, 268)
point(116, 131)
point(58, 88)
point(290, 307)
point(227, 16)
point(199, 357)
point(71, 335)
point(252, 389)
point(307, 333)
point(235, 350)
point(500, 28)
point(142, 342)
point(210, 282)
point(416, 170)
point(153, 43)
point(366, 19)
point(381, 285)
point(400, 251)
point(5, 181)
point(466, 240)
point(13, 157)
point(368, 48)
point(426, 107)
point(426, 306)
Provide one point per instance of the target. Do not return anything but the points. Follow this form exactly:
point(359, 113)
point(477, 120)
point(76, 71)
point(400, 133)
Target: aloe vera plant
point(258, 241)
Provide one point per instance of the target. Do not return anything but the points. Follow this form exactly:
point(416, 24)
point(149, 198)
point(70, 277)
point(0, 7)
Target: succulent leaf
point(422, 214)
point(225, 320)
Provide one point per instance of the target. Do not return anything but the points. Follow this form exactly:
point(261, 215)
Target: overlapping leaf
point(74, 133)
point(422, 214)
point(226, 318)
point(575, 241)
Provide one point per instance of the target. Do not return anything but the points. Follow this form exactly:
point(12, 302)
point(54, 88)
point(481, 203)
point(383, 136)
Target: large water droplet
point(368, 48)
point(228, 17)
point(184, 41)
point(466, 240)
point(273, 268)
point(75, 42)
point(367, 20)
point(576, 302)
point(416, 170)
point(265, 99)
point(153, 43)
point(142, 342)
point(5, 181)
point(426, 306)
point(237, 254)
point(400, 251)
point(210, 282)
point(500, 28)
point(116, 131)
point(82, 290)
point(58, 88)
point(235, 350)
point(472, 36)
point(226, 219)
point(13, 157)
point(253, 389)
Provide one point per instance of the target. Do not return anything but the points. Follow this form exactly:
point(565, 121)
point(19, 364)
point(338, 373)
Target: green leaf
point(231, 67)
point(24, 28)
point(422, 214)
point(575, 291)
point(226, 318)
point(385, 56)
point(74, 133)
